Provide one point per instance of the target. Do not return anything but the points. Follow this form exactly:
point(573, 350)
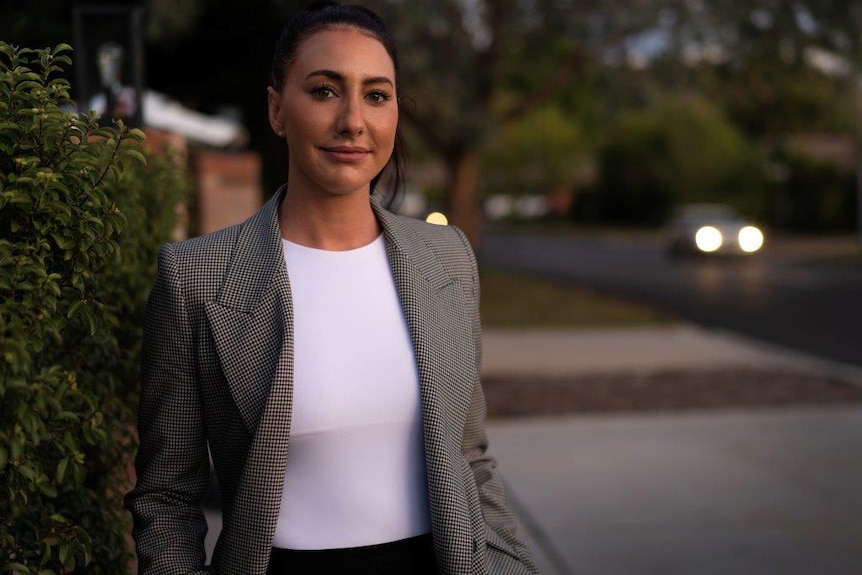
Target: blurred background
point(609, 160)
point(584, 111)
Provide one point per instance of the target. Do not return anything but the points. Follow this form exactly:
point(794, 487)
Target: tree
point(780, 67)
point(542, 152)
point(471, 68)
point(474, 67)
point(683, 150)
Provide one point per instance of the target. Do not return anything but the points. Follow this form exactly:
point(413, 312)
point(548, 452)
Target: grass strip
point(510, 300)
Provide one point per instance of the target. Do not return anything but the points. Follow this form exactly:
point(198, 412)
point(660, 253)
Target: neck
point(336, 223)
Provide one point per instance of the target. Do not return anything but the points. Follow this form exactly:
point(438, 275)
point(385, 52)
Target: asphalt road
point(811, 306)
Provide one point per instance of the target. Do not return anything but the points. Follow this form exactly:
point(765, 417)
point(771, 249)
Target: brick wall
point(228, 188)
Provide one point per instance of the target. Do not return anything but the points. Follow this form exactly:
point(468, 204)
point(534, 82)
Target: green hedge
point(83, 210)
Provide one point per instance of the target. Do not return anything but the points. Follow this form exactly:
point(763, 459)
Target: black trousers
point(413, 556)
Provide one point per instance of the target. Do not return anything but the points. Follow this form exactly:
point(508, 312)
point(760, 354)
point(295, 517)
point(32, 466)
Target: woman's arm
point(172, 463)
point(492, 497)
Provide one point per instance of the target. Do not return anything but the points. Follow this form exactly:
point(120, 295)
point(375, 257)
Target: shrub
point(72, 288)
point(681, 151)
point(148, 196)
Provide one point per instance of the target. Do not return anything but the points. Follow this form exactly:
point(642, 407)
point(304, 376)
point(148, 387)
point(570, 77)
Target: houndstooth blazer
point(217, 373)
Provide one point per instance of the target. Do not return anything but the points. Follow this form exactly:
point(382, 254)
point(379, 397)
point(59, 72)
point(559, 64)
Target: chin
point(347, 186)
point(347, 189)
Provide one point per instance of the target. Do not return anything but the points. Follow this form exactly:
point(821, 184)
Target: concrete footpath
point(743, 491)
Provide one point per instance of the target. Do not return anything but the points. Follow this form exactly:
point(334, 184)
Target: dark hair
point(323, 15)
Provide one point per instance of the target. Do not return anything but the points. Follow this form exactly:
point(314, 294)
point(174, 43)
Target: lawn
point(510, 299)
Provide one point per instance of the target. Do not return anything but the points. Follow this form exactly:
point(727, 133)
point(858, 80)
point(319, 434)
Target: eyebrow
point(338, 77)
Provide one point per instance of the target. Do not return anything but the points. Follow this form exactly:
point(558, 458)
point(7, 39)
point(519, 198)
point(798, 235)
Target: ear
point(273, 102)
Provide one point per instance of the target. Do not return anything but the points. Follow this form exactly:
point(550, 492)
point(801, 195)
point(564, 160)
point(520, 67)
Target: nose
point(351, 121)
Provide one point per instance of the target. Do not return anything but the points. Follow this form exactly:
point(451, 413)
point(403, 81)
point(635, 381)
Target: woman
point(326, 352)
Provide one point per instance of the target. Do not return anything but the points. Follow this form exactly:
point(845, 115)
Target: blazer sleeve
point(172, 463)
point(492, 498)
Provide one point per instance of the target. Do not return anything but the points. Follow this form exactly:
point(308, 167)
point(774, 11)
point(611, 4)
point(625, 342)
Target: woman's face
point(338, 112)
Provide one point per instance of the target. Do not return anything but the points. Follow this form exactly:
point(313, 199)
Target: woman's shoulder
point(438, 237)
point(201, 260)
point(216, 245)
point(448, 245)
point(259, 229)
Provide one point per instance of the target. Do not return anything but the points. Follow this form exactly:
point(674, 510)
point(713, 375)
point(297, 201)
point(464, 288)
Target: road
point(811, 306)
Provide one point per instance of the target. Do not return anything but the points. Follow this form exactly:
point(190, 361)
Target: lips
point(346, 153)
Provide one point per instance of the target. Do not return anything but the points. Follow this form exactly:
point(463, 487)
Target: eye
point(323, 92)
point(378, 97)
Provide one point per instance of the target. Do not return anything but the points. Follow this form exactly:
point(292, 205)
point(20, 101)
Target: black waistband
point(413, 556)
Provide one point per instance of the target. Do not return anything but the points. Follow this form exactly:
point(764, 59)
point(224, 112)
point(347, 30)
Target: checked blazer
point(217, 376)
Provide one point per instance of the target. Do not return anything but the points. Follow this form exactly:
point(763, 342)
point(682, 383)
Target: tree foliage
point(540, 153)
point(470, 69)
point(684, 150)
point(68, 256)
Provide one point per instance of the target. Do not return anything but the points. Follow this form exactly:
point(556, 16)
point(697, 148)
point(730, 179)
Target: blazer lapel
point(439, 326)
point(252, 326)
point(436, 315)
point(252, 314)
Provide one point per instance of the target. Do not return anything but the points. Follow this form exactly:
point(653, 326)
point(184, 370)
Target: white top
point(356, 464)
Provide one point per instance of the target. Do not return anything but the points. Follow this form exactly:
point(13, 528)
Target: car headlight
point(708, 239)
point(750, 239)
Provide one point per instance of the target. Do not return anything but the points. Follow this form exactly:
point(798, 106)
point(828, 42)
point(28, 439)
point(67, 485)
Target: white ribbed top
point(356, 465)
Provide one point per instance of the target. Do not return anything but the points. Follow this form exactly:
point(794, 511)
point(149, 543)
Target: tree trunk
point(463, 194)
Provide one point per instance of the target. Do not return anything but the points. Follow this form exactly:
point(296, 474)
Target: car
point(712, 229)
